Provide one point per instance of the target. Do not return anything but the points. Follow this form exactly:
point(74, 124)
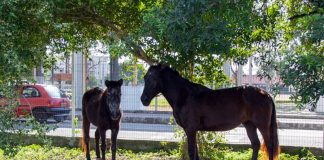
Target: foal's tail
point(274, 142)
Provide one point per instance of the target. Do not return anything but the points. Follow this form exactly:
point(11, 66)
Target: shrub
point(210, 145)
point(12, 130)
point(305, 154)
point(1, 154)
point(38, 152)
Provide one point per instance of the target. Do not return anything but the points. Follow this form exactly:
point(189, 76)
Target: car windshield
point(53, 91)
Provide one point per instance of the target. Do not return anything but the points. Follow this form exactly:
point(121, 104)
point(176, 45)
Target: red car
point(43, 102)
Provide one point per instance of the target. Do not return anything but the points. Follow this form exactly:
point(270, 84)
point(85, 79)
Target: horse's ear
point(120, 82)
point(107, 83)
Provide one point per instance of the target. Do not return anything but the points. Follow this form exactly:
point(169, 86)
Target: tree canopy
point(29, 28)
point(299, 47)
point(194, 37)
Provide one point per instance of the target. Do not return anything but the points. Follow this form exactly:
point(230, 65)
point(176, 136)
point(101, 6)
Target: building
point(264, 83)
point(98, 68)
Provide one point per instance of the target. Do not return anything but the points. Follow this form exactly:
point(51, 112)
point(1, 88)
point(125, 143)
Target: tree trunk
point(40, 75)
point(114, 68)
point(135, 72)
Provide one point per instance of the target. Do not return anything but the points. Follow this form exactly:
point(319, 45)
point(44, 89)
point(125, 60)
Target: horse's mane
point(193, 86)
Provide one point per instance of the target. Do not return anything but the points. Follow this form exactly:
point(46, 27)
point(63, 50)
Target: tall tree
point(297, 49)
point(195, 37)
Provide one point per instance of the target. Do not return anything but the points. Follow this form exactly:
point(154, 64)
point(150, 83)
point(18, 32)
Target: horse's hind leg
point(253, 136)
point(97, 138)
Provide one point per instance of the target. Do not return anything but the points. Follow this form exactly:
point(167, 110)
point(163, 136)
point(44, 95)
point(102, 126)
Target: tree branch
point(138, 52)
point(86, 15)
point(304, 15)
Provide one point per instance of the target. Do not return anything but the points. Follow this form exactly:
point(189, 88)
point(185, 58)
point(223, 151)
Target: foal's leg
point(97, 138)
point(103, 143)
point(114, 133)
point(192, 145)
point(253, 136)
point(86, 137)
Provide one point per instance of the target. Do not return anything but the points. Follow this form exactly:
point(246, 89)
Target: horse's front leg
point(114, 133)
point(103, 143)
point(97, 138)
point(192, 144)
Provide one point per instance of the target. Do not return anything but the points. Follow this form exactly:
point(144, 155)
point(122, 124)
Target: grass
point(37, 152)
point(162, 104)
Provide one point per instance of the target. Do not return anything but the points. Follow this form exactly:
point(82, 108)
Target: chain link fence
point(298, 128)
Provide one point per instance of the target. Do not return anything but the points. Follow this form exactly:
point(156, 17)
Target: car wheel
point(59, 119)
point(40, 115)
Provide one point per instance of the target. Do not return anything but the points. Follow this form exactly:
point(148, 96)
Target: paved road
point(161, 132)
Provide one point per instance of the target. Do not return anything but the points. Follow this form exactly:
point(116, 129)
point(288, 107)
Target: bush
point(284, 156)
point(247, 155)
point(1, 154)
point(10, 125)
point(305, 154)
point(210, 145)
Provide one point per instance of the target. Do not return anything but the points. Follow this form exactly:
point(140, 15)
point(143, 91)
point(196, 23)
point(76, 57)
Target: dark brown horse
point(102, 109)
point(197, 108)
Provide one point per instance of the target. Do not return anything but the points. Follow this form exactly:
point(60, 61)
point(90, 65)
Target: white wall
point(320, 105)
point(131, 98)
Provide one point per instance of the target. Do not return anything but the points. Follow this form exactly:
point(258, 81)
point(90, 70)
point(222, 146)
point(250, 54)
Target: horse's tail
point(273, 137)
point(85, 127)
point(82, 142)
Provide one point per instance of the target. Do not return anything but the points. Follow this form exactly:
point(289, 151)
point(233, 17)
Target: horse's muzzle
point(145, 100)
point(115, 117)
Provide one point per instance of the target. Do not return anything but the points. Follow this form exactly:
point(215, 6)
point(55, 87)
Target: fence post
point(74, 79)
point(156, 103)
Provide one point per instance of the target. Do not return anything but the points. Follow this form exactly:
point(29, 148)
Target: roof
point(62, 77)
point(258, 80)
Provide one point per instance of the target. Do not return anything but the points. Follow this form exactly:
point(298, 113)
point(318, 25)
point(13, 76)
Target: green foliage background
point(194, 37)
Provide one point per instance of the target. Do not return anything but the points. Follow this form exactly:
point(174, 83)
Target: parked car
point(43, 102)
